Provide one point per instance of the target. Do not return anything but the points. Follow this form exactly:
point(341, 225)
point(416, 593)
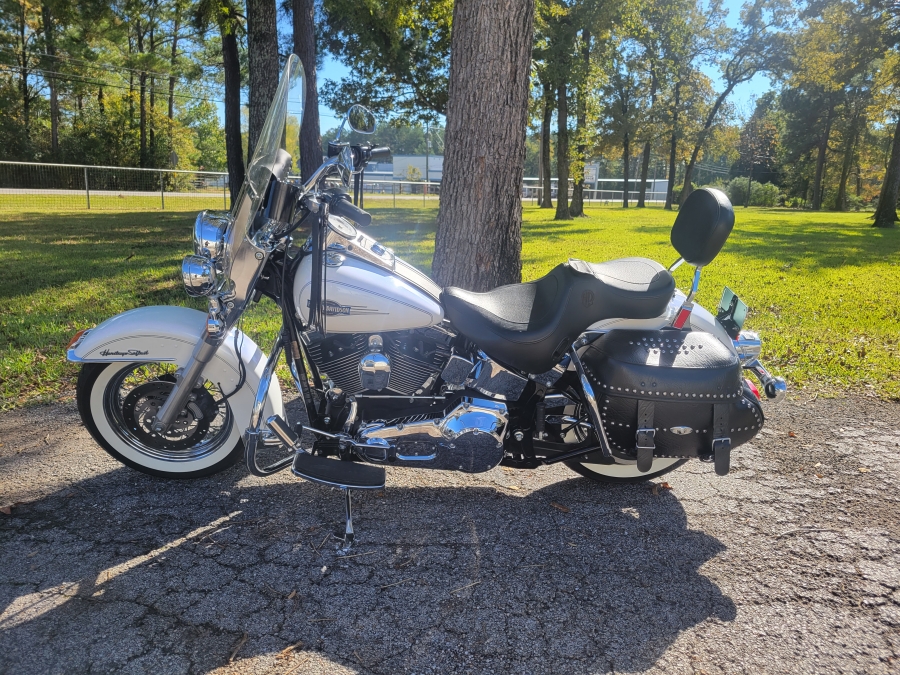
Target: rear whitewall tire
point(624, 473)
point(93, 382)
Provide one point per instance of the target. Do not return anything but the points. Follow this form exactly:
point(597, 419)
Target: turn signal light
point(76, 338)
point(753, 388)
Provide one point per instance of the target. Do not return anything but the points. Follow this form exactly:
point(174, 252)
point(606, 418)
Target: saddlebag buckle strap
point(722, 455)
point(645, 437)
point(721, 446)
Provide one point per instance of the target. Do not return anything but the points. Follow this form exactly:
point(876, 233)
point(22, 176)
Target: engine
point(405, 362)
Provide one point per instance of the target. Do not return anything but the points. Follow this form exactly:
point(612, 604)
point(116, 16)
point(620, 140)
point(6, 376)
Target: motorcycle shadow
point(135, 574)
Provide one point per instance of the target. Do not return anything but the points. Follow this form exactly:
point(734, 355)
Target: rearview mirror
point(702, 226)
point(361, 119)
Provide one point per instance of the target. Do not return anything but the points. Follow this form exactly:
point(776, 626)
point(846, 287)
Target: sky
point(742, 97)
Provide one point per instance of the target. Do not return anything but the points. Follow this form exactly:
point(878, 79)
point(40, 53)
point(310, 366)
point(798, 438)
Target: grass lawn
point(824, 289)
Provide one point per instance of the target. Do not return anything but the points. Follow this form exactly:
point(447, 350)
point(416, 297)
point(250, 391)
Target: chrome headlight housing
point(209, 233)
point(199, 275)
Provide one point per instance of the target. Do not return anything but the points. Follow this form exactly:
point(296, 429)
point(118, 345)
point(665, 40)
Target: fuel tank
point(362, 296)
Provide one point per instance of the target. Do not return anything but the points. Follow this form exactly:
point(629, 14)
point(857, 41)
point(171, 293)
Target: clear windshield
point(268, 157)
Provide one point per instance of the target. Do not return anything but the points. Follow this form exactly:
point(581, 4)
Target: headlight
point(199, 275)
point(209, 233)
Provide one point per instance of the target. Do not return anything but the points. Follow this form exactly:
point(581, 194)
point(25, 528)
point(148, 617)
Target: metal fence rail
point(29, 186)
point(26, 186)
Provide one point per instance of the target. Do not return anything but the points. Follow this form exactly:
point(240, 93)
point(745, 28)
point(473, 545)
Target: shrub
point(761, 194)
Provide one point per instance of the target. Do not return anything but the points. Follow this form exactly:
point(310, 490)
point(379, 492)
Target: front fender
point(168, 334)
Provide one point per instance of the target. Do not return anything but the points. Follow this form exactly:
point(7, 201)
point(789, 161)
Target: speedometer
point(342, 226)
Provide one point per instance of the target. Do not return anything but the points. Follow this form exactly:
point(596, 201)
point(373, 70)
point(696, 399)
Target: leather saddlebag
point(669, 393)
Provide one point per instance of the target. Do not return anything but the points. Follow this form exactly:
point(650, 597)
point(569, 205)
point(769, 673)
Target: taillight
point(753, 388)
point(76, 338)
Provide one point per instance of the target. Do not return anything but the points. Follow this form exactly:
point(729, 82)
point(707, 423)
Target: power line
point(86, 79)
point(91, 64)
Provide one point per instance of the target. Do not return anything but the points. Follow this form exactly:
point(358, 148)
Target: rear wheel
point(575, 428)
point(624, 473)
point(118, 402)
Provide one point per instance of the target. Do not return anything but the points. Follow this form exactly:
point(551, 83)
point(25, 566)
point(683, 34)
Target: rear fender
point(168, 334)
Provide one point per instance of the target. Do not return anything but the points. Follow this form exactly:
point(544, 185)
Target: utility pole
point(427, 148)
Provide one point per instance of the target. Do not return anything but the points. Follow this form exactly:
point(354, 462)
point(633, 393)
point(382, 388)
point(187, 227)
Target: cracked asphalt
point(788, 565)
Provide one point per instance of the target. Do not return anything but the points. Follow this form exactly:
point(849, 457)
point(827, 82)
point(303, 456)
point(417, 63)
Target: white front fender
point(168, 334)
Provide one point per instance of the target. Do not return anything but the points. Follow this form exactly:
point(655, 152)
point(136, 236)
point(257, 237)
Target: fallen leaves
point(284, 653)
point(462, 588)
point(659, 486)
point(791, 434)
point(237, 648)
point(560, 507)
point(864, 469)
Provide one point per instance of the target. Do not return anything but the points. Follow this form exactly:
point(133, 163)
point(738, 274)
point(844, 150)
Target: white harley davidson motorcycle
point(604, 366)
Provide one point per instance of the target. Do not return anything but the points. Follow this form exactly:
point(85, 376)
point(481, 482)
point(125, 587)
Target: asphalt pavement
point(790, 564)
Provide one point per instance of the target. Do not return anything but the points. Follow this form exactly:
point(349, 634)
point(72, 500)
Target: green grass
point(824, 289)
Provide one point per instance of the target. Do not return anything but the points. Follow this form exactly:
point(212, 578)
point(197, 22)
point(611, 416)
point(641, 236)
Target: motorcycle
point(606, 367)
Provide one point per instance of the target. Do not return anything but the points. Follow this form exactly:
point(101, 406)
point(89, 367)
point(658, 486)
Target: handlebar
point(380, 153)
point(343, 208)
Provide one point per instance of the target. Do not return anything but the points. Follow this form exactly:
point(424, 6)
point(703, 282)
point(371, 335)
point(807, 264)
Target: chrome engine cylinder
point(469, 438)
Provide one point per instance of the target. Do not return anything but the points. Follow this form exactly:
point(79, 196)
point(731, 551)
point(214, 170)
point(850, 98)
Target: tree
point(304, 13)
point(262, 50)
point(478, 242)
point(226, 16)
point(397, 50)
point(756, 46)
point(623, 115)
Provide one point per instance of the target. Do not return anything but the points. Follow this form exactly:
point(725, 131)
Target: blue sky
point(742, 97)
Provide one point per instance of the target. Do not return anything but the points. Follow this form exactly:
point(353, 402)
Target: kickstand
point(347, 538)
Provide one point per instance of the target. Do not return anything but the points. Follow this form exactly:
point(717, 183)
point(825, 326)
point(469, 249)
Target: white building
point(402, 163)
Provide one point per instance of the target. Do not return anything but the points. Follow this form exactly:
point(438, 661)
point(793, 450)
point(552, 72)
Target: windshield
point(268, 157)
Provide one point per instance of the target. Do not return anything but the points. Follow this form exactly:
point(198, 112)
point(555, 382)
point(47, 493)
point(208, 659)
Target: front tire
point(623, 473)
point(116, 402)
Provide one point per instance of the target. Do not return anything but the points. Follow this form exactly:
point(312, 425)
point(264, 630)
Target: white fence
point(25, 186)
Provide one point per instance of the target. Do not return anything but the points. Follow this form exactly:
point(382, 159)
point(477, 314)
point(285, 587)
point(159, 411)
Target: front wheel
point(118, 402)
point(624, 473)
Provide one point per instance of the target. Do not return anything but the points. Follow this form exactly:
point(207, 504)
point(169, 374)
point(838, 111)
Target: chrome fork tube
point(251, 435)
point(204, 352)
point(593, 408)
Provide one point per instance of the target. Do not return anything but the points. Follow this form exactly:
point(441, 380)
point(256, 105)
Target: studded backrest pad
point(664, 365)
point(702, 226)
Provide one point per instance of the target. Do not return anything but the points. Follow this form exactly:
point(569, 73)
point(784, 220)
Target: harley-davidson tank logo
point(334, 309)
point(127, 352)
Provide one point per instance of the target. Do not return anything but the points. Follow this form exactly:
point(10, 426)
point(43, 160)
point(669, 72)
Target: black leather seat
point(530, 326)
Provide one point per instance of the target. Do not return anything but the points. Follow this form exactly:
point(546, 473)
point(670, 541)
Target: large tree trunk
point(262, 52)
point(232, 71)
point(479, 236)
point(701, 139)
point(820, 162)
point(626, 157)
point(886, 213)
point(546, 182)
point(50, 49)
point(673, 149)
point(305, 48)
point(577, 207)
point(562, 154)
